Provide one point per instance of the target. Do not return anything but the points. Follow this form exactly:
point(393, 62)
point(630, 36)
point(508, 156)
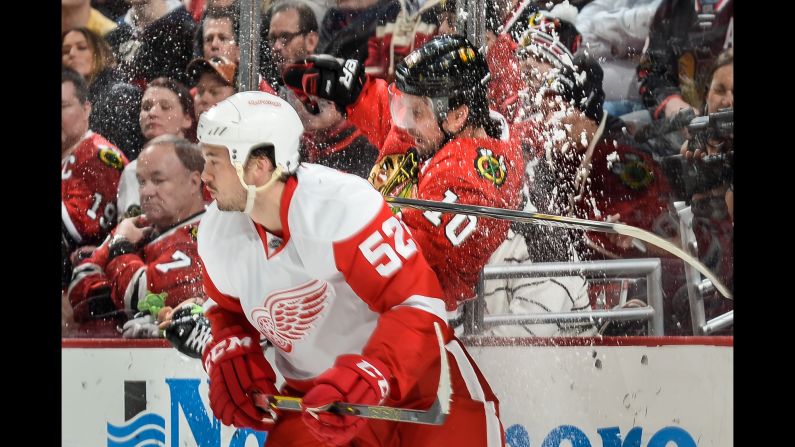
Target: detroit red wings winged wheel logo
point(287, 315)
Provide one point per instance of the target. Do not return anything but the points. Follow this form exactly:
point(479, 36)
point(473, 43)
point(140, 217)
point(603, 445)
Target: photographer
point(713, 206)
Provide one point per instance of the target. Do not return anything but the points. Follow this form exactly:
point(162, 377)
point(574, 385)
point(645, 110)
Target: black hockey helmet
point(450, 71)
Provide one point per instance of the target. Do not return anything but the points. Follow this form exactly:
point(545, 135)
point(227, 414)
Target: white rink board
point(688, 388)
point(550, 396)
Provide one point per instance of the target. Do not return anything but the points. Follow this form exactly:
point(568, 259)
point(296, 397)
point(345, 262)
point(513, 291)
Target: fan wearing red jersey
point(90, 171)
point(155, 252)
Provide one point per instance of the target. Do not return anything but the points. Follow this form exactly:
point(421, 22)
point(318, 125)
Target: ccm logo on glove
point(373, 372)
point(224, 346)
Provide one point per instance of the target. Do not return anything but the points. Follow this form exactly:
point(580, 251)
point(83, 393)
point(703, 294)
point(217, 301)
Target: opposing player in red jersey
point(463, 155)
point(155, 252)
point(314, 260)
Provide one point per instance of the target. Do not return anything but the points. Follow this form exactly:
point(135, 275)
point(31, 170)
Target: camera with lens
point(688, 177)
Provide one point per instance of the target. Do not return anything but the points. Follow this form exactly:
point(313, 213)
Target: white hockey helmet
point(248, 120)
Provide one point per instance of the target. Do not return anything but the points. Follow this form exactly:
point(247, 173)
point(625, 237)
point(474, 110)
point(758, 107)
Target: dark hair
point(265, 150)
point(103, 55)
point(188, 153)
point(726, 57)
point(81, 88)
point(307, 22)
point(185, 100)
point(222, 12)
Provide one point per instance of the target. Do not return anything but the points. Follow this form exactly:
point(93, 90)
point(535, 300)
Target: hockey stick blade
point(435, 415)
point(563, 222)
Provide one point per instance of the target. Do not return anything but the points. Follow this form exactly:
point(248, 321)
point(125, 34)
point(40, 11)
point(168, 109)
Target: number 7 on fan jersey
point(378, 250)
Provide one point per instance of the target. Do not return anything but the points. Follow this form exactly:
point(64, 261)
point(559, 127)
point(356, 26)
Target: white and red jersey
point(472, 171)
point(89, 180)
point(168, 263)
point(344, 277)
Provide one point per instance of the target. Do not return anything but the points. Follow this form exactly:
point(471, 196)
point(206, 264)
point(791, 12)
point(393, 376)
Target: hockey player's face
point(414, 114)
point(221, 179)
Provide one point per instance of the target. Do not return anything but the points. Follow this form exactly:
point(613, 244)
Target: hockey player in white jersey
point(314, 260)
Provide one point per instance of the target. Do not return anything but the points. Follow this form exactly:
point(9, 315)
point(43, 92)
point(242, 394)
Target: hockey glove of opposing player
point(189, 331)
point(352, 379)
point(327, 77)
point(237, 368)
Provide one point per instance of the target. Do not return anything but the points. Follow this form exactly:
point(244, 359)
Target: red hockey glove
point(352, 379)
point(237, 368)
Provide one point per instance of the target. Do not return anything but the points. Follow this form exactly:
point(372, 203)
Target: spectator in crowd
point(215, 80)
point(292, 33)
point(329, 138)
point(151, 253)
point(155, 39)
point(685, 38)
point(713, 207)
point(87, 53)
point(166, 108)
point(614, 32)
point(218, 34)
point(80, 14)
point(112, 9)
point(90, 171)
point(112, 101)
point(398, 32)
point(118, 117)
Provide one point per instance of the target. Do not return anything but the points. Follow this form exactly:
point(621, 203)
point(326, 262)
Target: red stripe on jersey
point(287, 198)
point(383, 265)
point(222, 300)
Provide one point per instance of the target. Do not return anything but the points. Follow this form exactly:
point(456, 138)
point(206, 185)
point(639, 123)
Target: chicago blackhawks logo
point(287, 315)
point(490, 167)
point(633, 172)
point(110, 157)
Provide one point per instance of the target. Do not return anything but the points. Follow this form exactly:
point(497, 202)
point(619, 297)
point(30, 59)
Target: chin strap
point(251, 190)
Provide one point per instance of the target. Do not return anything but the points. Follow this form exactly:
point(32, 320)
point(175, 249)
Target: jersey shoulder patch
point(110, 157)
point(490, 167)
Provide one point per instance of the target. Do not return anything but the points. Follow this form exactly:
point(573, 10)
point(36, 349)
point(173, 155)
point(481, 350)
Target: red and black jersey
point(89, 181)
point(472, 171)
point(168, 263)
point(621, 179)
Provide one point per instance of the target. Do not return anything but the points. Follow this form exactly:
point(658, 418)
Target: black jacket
point(164, 48)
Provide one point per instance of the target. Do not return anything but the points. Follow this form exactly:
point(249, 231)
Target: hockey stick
point(563, 222)
point(435, 415)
